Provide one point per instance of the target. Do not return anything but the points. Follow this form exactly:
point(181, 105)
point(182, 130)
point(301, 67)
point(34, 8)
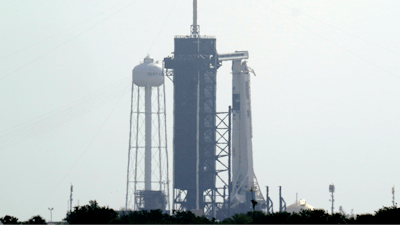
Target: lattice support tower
point(147, 172)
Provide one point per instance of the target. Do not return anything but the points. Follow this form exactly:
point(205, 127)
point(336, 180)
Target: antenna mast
point(393, 201)
point(332, 190)
point(195, 29)
point(70, 198)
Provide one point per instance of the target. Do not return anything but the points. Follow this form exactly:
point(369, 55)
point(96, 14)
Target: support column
point(147, 153)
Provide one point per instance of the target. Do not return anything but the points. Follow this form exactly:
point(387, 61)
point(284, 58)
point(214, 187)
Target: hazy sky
point(325, 97)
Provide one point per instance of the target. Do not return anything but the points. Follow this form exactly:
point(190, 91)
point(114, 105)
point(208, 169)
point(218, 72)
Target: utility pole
point(332, 190)
point(51, 214)
point(70, 198)
point(393, 201)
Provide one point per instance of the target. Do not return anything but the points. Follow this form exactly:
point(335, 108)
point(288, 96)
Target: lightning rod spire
point(195, 29)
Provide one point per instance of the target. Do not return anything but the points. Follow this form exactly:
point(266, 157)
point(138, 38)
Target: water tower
point(147, 173)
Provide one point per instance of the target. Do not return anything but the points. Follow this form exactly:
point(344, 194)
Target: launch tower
point(194, 66)
point(198, 156)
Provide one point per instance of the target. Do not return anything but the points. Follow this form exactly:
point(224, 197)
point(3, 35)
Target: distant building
point(297, 206)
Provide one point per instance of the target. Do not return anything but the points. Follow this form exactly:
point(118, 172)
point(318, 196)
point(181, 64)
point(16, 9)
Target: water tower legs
point(147, 154)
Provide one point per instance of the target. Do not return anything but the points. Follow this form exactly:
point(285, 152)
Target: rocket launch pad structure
point(194, 67)
point(196, 150)
point(198, 156)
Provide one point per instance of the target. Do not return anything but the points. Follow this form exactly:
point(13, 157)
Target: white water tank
point(148, 74)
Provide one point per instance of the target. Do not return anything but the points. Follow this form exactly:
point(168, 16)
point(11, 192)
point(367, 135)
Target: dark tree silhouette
point(143, 217)
point(90, 214)
point(9, 220)
point(388, 215)
point(36, 220)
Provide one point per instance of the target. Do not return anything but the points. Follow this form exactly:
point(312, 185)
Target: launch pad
point(212, 151)
point(194, 66)
point(198, 162)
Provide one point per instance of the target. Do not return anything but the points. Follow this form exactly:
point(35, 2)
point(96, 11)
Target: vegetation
point(36, 220)
point(9, 220)
point(91, 213)
point(14, 220)
point(94, 214)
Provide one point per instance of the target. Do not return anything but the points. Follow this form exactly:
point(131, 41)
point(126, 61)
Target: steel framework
point(282, 202)
point(194, 66)
point(136, 195)
point(269, 203)
point(223, 184)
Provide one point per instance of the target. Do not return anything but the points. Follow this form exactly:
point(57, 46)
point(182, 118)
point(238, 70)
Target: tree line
point(95, 214)
point(14, 220)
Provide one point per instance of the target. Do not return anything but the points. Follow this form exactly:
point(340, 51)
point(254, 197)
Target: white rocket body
point(243, 177)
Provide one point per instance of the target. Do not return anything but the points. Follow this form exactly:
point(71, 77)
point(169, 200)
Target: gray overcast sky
point(325, 99)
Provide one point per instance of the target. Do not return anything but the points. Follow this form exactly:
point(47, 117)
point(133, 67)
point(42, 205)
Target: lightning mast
point(195, 29)
point(269, 202)
point(282, 203)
